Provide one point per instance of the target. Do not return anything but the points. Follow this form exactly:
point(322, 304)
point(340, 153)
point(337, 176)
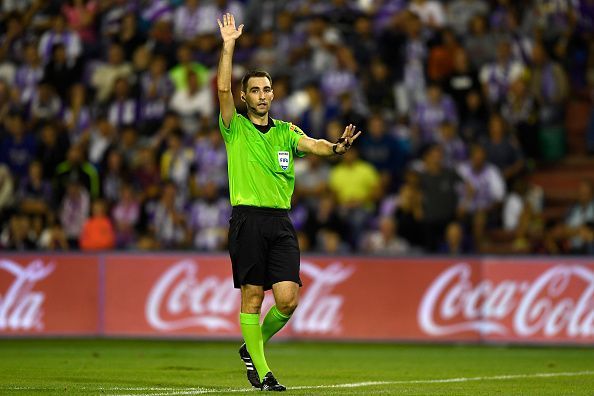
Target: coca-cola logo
point(559, 301)
point(21, 306)
point(183, 298)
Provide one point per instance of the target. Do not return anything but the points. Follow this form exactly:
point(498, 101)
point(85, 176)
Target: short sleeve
point(228, 132)
point(295, 134)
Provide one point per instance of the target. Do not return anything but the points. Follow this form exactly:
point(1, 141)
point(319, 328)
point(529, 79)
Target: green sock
point(273, 322)
point(252, 334)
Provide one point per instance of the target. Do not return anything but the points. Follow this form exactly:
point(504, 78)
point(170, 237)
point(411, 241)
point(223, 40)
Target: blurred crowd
point(109, 136)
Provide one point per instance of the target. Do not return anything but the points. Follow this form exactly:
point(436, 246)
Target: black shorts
point(263, 247)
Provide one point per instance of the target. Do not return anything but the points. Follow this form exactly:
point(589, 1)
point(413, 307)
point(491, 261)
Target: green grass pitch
point(141, 367)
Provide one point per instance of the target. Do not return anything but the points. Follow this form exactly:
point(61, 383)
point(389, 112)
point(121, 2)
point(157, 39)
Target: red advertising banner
point(354, 298)
point(49, 295)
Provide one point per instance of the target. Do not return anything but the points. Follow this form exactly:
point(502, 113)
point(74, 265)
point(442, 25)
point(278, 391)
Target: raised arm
point(229, 34)
point(325, 148)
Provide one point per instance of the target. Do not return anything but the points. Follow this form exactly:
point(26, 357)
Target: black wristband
point(334, 150)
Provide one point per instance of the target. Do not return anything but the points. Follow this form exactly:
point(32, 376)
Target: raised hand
point(227, 27)
point(347, 139)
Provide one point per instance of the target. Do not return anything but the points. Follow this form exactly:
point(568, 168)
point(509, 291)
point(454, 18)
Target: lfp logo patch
point(283, 159)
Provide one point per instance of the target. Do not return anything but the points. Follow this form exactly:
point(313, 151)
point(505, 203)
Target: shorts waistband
point(261, 210)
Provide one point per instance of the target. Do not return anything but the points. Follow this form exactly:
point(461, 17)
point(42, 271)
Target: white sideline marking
point(169, 391)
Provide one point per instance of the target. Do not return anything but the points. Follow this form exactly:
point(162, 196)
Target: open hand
point(346, 140)
point(228, 30)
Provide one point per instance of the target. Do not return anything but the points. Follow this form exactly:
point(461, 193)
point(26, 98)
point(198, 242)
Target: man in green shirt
point(262, 241)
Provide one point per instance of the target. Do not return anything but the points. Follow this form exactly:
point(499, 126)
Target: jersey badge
point(283, 159)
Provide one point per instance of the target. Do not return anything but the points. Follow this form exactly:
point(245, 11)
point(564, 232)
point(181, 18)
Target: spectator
point(105, 75)
point(115, 174)
point(438, 189)
point(385, 240)
point(60, 34)
point(61, 72)
point(383, 151)
point(123, 107)
point(29, 73)
point(74, 210)
point(409, 210)
point(147, 175)
point(176, 161)
point(156, 89)
point(97, 232)
point(99, 138)
point(503, 150)
point(520, 111)
point(6, 191)
point(480, 42)
point(16, 235)
point(549, 86)
point(461, 12)
point(317, 114)
point(194, 103)
point(433, 111)
point(482, 194)
point(5, 102)
point(473, 123)
point(497, 76)
point(575, 233)
point(209, 218)
point(186, 20)
point(363, 41)
point(17, 149)
point(80, 15)
point(431, 12)
point(265, 55)
point(53, 236)
point(440, 61)
point(77, 114)
point(211, 162)
point(311, 178)
point(129, 38)
point(12, 44)
point(179, 74)
point(35, 193)
point(169, 222)
point(126, 215)
point(52, 149)
point(455, 241)
point(454, 148)
point(323, 217)
point(76, 168)
point(364, 185)
point(45, 105)
point(461, 81)
point(378, 87)
point(341, 79)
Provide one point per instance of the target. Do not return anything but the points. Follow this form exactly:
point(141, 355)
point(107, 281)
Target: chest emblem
point(283, 159)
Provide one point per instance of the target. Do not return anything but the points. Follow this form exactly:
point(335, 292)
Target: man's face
point(258, 96)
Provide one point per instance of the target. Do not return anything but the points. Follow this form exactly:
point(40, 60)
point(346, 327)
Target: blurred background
point(477, 117)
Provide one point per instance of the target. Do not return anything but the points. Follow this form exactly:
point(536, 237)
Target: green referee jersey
point(260, 165)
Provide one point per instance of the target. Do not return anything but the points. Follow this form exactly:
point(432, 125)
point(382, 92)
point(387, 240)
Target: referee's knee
point(287, 307)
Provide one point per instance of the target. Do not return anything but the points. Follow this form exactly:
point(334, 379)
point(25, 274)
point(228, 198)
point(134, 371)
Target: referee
point(262, 241)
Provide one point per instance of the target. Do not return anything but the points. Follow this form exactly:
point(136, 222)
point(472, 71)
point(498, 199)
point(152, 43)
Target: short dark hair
point(254, 73)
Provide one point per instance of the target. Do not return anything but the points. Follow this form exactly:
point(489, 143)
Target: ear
point(242, 96)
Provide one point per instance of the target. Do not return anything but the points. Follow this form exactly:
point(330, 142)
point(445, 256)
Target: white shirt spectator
point(497, 77)
point(487, 183)
point(68, 38)
point(431, 12)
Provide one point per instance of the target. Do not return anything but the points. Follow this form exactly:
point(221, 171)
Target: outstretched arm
point(229, 34)
point(325, 148)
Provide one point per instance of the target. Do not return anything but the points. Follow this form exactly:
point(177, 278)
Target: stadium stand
point(113, 103)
